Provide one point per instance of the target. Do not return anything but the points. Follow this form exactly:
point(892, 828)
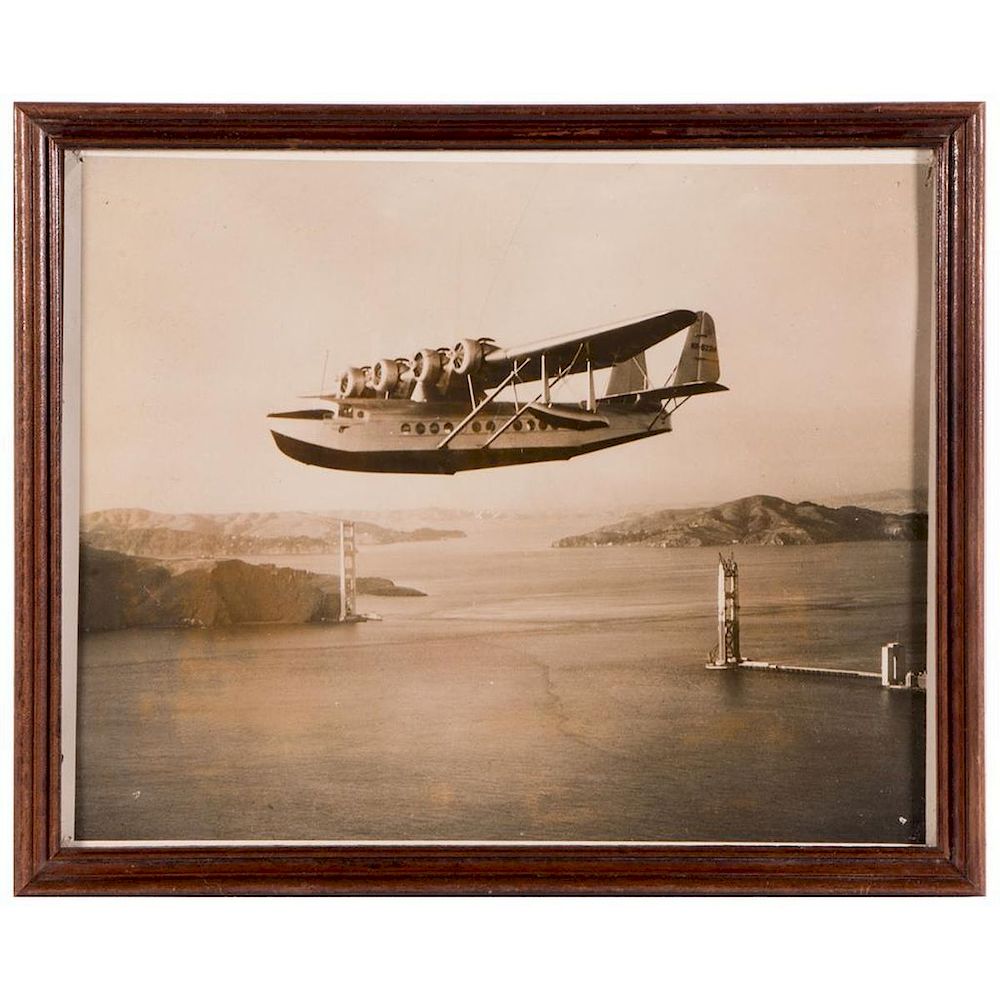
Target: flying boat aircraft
point(440, 412)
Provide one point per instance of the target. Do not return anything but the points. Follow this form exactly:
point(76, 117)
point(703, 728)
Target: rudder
point(699, 361)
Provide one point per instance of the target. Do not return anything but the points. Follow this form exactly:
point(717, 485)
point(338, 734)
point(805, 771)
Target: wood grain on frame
point(43, 132)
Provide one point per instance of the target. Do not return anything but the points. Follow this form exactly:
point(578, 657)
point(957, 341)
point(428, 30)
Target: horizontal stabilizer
point(666, 392)
point(567, 416)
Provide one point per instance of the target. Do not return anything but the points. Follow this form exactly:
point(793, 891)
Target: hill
point(756, 520)
point(121, 591)
point(898, 501)
point(134, 531)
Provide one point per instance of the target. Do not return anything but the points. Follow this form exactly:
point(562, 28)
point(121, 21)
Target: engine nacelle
point(353, 382)
point(385, 375)
point(467, 357)
point(427, 366)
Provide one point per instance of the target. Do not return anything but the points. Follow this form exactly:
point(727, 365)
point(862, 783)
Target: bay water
point(534, 694)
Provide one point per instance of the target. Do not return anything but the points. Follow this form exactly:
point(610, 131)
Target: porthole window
point(405, 429)
point(360, 414)
point(434, 428)
point(448, 428)
point(517, 425)
point(490, 426)
point(476, 426)
point(542, 425)
point(531, 425)
point(420, 428)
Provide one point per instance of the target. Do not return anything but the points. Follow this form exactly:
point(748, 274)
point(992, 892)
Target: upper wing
point(603, 348)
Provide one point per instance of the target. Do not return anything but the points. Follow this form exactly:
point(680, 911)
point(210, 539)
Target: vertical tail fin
point(699, 360)
point(628, 376)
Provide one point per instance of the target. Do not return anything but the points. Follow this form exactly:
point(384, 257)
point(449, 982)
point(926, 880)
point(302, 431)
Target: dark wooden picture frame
point(43, 866)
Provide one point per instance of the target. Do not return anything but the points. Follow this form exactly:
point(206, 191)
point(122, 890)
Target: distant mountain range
point(899, 501)
point(755, 520)
point(134, 531)
point(121, 591)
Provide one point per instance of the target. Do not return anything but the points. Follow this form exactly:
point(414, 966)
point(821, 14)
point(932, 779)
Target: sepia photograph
point(516, 497)
point(499, 501)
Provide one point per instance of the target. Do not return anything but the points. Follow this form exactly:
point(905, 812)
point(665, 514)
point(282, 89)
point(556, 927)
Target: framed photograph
point(499, 499)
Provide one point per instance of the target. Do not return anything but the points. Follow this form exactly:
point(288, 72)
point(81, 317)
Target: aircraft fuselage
point(404, 436)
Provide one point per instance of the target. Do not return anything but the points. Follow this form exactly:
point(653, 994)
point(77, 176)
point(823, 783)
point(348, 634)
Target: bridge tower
point(727, 652)
point(348, 572)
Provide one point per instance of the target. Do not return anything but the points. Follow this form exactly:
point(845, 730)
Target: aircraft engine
point(467, 357)
point(352, 382)
point(426, 366)
point(385, 375)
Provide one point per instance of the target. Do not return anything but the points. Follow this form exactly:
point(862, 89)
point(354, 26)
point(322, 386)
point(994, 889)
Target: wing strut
point(527, 406)
point(467, 419)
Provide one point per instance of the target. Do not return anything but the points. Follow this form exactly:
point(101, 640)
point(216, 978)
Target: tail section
point(697, 372)
point(699, 360)
point(630, 375)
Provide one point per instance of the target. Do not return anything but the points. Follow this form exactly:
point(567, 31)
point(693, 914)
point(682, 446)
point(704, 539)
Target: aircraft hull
point(377, 442)
point(444, 462)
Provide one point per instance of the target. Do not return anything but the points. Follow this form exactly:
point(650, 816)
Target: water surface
point(534, 694)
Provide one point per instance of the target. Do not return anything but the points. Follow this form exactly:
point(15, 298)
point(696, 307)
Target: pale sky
point(213, 288)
